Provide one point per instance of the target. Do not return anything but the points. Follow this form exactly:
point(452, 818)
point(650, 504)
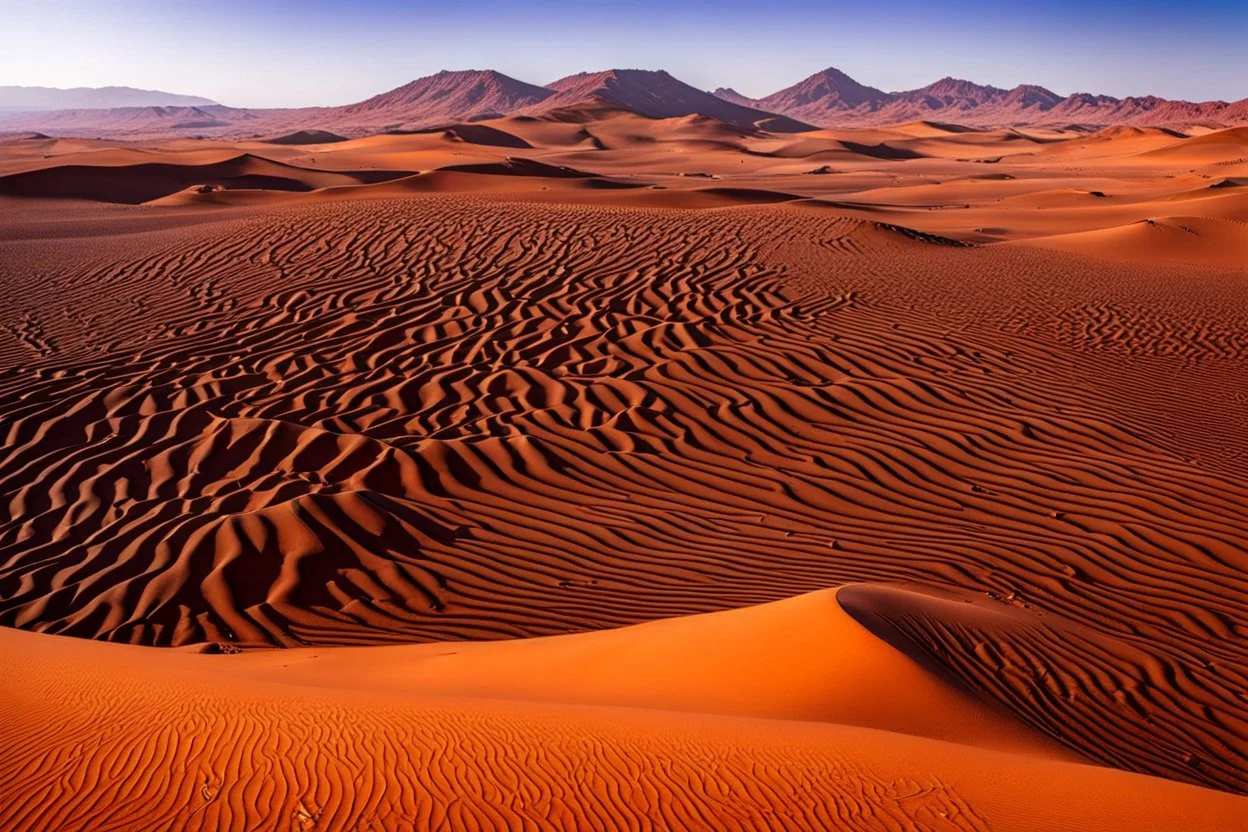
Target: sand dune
point(1070, 675)
point(365, 739)
point(147, 181)
point(802, 658)
point(580, 468)
point(1214, 242)
point(281, 754)
point(368, 533)
point(1211, 148)
point(308, 137)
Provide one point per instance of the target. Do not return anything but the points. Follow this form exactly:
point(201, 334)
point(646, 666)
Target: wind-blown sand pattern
point(908, 513)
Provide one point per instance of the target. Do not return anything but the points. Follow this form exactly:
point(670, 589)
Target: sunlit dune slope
point(800, 658)
point(1200, 240)
point(154, 741)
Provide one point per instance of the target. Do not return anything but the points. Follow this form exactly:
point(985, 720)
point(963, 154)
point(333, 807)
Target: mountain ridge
point(657, 94)
point(23, 98)
point(828, 98)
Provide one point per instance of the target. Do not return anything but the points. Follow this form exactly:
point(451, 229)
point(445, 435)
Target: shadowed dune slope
point(1053, 675)
point(522, 167)
point(138, 183)
point(301, 137)
point(484, 134)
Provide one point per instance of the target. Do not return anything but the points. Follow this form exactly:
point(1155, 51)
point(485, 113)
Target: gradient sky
point(268, 53)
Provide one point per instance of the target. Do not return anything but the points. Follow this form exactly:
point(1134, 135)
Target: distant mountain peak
point(729, 94)
point(657, 94)
point(950, 87)
point(455, 95)
point(832, 73)
point(831, 98)
point(828, 89)
point(1033, 95)
point(610, 77)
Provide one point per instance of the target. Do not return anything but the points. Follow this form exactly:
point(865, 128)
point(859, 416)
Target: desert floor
point(600, 472)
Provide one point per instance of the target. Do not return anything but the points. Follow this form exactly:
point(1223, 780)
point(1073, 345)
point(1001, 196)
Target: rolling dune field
point(577, 469)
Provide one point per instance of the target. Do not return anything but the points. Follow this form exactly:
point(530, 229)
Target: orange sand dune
point(150, 180)
point(1203, 240)
point(305, 137)
point(235, 749)
point(1220, 146)
point(41, 154)
point(407, 510)
point(517, 459)
point(801, 658)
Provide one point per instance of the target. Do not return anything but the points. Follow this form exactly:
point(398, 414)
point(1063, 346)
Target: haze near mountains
point(829, 98)
point(92, 98)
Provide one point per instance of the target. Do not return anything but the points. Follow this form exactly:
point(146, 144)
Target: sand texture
point(596, 467)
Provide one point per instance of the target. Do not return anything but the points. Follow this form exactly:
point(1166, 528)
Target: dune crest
point(800, 659)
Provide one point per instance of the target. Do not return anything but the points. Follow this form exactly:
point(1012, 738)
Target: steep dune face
point(1132, 703)
point(1218, 147)
point(304, 137)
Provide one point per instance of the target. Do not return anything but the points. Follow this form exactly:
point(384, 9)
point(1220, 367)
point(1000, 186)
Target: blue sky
point(282, 53)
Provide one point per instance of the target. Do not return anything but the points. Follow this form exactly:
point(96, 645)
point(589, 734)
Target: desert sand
point(679, 734)
point(589, 468)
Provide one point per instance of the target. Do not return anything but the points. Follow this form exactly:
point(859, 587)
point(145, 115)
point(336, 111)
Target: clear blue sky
point(283, 53)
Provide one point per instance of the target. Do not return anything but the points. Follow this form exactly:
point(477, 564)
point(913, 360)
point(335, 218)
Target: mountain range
point(832, 99)
point(829, 98)
point(92, 98)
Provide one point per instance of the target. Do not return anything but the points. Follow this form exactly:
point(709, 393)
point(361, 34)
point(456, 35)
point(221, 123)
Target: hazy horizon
point(284, 54)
